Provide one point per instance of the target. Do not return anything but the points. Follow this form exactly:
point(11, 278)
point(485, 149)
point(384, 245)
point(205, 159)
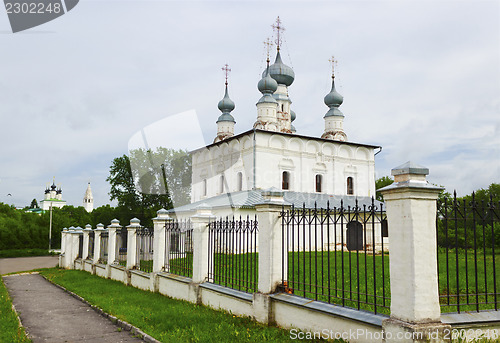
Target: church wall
point(302, 157)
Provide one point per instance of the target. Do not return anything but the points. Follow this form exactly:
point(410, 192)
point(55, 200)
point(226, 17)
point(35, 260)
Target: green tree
point(381, 183)
point(148, 180)
point(34, 204)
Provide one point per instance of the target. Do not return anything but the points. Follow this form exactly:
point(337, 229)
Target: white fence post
point(159, 240)
point(132, 242)
point(86, 233)
point(68, 246)
point(270, 241)
point(411, 214)
point(115, 225)
point(97, 242)
point(200, 223)
point(62, 256)
point(75, 243)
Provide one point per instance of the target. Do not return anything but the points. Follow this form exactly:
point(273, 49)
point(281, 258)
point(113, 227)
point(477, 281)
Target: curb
point(118, 322)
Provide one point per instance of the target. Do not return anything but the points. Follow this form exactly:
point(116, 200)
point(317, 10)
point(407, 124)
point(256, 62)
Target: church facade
point(52, 198)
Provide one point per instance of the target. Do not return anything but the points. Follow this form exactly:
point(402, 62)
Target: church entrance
point(354, 236)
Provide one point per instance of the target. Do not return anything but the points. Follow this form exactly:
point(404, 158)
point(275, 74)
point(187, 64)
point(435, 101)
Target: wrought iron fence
point(233, 254)
point(145, 249)
point(103, 258)
point(468, 235)
point(80, 245)
point(337, 255)
point(121, 246)
point(91, 244)
point(179, 247)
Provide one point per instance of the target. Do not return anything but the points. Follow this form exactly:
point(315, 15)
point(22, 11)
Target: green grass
point(467, 279)
point(25, 253)
point(166, 319)
point(9, 325)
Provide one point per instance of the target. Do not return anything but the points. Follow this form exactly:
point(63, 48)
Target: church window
point(285, 181)
point(319, 179)
point(282, 108)
point(240, 181)
point(222, 184)
point(350, 186)
point(204, 187)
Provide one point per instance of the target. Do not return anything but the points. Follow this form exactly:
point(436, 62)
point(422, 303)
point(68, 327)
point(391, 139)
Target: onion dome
point(267, 86)
point(292, 118)
point(282, 73)
point(226, 105)
point(53, 187)
point(334, 100)
point(47, 190)
point(59, 191)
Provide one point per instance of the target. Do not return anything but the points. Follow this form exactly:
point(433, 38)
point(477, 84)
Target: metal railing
point(179, 247)
point(103, 258)
point(233, 254)
point(121, 246)
point(145, 249)
point(91, 244)
point(337, 255)
point(80, 245)
point(468, 235)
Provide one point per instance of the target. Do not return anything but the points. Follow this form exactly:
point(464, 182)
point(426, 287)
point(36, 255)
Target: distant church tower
point(88, 199)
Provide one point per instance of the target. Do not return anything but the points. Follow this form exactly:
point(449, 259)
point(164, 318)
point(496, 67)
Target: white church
point(230, 174)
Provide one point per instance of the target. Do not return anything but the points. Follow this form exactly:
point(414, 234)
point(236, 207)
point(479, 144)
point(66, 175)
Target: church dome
point(292, 115)
point(53, 187)
point(282, 73)
point(267, 85)
point(333, 100)
point(226, 105)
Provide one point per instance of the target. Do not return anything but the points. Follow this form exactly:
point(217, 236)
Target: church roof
point(88, 192)
point(227, 140)
point(248, 199)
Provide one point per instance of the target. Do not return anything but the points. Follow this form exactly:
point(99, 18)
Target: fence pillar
point(200, 223)
point(75, 245)
point(62, 255)
point(270, 241)
point(68, 246)
point(411, 214)
point(86, 233)
point(159, 240)
point(132, 242)
point(97, 243)
point(115, 225)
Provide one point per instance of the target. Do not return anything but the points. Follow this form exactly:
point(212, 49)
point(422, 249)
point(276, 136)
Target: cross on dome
point(278, 27)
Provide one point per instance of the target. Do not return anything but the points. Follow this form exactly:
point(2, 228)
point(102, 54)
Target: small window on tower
point(285, 181)
point(222, 184)
point(282, 108)
point(319, 179)
point(240, 181)
point(350, 186)
point(204, 187)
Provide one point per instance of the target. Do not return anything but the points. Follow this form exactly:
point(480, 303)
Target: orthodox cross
point(268, 44)
point(278, 28)
point(333, 62)
point(226, 70)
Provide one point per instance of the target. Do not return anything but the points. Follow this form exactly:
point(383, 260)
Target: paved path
point(22, 264)
point(51, 315)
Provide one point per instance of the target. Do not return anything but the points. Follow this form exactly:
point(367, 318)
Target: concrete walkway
point(49, 314)
point(22, 264)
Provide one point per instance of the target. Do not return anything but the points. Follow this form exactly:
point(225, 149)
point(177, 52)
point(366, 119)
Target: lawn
point(334, 277)
point(166, 319)
point(9, 325)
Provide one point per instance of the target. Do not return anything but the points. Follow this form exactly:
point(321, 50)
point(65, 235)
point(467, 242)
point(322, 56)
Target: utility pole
point(50, 226)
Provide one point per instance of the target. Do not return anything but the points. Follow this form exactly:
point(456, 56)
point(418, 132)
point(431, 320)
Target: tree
point(34, 204)
point(148, 180)
point(381, 183)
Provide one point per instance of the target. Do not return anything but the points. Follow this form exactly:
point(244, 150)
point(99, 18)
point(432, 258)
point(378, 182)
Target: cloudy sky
point(420, 78)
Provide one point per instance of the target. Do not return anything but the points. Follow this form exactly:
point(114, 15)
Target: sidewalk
point(51, 315)
point(21, 264)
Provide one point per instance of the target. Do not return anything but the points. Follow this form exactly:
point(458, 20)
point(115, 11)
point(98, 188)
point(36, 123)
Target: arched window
point(204, 187)
point(350, 186)
point(240, 181)
point(319, 179)
point(222, 184)
point(282, 108)
point(285, 181)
